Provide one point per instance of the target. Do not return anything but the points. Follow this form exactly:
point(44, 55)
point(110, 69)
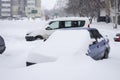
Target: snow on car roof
point(70, 18)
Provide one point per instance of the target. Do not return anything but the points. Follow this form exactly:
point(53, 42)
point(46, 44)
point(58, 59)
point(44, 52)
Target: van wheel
point(106, 53)
point(29, 63)
point(39, 37)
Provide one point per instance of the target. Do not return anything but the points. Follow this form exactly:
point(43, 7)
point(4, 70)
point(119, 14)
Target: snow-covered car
point(117, 37)
point(66, 43)
point(2, 45)
point(58, 23)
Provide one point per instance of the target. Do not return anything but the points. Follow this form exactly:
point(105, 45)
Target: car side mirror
point(48, 28)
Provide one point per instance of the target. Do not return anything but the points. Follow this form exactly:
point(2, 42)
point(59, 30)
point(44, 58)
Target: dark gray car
point(2, 45)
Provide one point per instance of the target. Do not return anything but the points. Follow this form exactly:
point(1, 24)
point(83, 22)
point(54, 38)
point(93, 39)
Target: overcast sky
point(48, 4)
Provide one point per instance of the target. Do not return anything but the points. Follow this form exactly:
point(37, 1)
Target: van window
point(75, 23)
point(69, 24)
point(54, 25)
point(81, 23)
point(66, 24)
point(62, 24)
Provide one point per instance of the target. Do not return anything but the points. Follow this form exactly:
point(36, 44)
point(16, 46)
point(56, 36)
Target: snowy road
point(12, 62)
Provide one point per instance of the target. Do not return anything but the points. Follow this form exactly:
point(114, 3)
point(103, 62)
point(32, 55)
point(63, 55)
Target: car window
point(74, 23)
point(61, 24)
point(67, 24)
point(91, 34)
point(95, 34)
point(70, 24)
point(81, 23)
point(118, 34)
point(54, 25)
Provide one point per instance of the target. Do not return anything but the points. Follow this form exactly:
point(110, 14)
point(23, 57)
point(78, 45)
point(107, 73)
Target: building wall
point(38, 3)
point(18, 8)
point(15, 6)
point(33, 8)
point(5, 8)
point(22, 7)
point(38, 7)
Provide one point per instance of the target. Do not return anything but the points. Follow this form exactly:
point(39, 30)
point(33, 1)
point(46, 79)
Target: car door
point(95, 48)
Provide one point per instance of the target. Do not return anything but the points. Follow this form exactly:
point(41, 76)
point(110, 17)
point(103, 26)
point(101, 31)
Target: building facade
point(33, 8)
point(5, 8)
point(110, 9)
point(20, 8)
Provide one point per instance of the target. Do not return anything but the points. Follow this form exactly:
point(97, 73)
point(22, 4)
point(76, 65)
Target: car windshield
point(118, 34)
point(66, 24)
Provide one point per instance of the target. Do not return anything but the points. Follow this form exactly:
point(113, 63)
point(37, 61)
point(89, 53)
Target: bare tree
point(83, 7)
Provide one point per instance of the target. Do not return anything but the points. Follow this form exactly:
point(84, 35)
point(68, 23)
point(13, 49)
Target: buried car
point(66, 43)
point(59, 23)
point(117, 37)
point(2, 45)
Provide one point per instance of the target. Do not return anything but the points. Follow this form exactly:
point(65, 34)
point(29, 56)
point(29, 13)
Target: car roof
point(70, 18)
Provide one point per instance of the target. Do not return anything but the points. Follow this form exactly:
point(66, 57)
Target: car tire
point(106, 54)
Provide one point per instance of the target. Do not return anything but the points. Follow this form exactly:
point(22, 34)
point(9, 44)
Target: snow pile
point(62, 43)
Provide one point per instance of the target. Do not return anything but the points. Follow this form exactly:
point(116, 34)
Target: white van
point(58, 23)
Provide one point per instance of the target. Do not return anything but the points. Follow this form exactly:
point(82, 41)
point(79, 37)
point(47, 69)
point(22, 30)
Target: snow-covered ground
point(77, 67)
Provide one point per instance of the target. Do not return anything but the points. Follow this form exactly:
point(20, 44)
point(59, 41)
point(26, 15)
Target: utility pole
point(107, 11)
point(108, 7)
point(116, 12)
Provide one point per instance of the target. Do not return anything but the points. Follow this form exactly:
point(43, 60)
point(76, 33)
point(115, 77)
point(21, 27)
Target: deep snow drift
point(76, 67)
